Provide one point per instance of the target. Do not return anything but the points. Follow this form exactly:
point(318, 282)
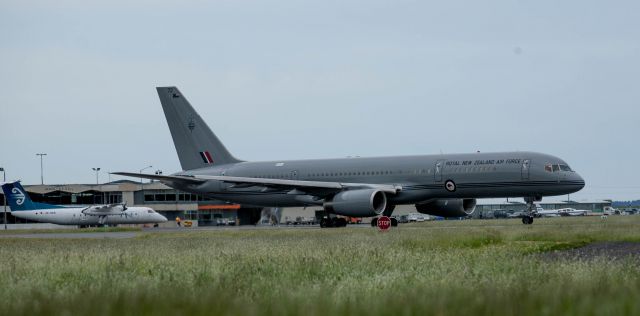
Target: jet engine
point(448, 207)
point(357, 203)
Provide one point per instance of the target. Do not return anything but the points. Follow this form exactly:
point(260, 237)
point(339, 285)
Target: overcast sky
point(301, 79)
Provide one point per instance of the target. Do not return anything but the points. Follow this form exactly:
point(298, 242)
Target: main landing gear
point(326, 222)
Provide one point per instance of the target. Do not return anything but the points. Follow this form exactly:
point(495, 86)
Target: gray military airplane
point(441, 185)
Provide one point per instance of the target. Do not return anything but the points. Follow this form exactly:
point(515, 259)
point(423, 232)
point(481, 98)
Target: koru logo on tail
point(19, 196)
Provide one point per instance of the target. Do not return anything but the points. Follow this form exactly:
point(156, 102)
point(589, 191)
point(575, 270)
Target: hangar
point(492, 210)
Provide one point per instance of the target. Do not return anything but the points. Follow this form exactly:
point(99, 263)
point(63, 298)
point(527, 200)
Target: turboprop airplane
point(23, 207)
point(441, 185)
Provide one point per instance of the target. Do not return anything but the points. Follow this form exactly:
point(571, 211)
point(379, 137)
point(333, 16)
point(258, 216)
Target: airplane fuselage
point(75, 216)
point(442, 185)
point(421, 178)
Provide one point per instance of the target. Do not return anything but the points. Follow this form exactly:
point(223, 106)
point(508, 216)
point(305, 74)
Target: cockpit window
point(556, 167)
point(565, 168)
point(150, 211)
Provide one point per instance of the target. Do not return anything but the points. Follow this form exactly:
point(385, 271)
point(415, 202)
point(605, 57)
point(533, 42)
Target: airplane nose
point(579, 181)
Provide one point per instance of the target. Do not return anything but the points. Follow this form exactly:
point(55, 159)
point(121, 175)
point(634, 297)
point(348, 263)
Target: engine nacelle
point(357, 203)
point(448, 207)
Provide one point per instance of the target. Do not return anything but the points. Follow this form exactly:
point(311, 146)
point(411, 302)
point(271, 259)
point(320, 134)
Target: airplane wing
point(300, 184)
point(240, 182)
point(104, 209)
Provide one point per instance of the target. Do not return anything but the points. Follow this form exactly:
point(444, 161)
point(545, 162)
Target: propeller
point(124, 206)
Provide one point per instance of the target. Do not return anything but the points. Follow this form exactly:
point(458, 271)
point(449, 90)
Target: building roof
point(116, 186)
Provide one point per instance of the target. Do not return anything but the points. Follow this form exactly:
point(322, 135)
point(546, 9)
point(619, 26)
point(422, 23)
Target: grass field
point(70, 230)
point(495, 267)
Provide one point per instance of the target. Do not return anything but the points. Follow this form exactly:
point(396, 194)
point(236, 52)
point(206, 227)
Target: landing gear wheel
point(527, 220)
point(394, 222)
point(374, 222)
point(333, 222)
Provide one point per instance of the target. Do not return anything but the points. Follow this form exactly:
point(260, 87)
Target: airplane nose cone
point(162, 218)
point(579, 181)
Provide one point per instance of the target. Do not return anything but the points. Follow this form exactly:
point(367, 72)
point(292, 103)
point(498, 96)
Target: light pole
point(41, 170)
point(96, 170)
point(143, 169)
point(4, 179)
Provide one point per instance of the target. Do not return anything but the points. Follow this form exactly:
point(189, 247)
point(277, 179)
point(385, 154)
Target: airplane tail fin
point(19, 200)
point(196, 144)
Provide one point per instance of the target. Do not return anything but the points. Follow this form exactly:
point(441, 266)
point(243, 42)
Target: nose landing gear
point(527, 218)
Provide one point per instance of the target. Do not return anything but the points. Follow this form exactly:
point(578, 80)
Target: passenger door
point(437, 170)
point(524, 171)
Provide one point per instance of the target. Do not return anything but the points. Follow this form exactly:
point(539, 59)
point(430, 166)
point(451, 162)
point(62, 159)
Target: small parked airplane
point(567, 211)
point(571, 212)
point(23, 207)
point(541, 212)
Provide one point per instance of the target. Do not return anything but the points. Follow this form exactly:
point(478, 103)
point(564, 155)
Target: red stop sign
point(384, 222)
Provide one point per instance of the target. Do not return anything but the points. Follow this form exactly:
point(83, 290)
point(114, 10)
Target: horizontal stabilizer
point(175, 179)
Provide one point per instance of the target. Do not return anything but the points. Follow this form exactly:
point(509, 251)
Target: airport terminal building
point(165, 200)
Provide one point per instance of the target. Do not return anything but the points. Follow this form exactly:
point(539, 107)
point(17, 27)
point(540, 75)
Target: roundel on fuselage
point(450, 186)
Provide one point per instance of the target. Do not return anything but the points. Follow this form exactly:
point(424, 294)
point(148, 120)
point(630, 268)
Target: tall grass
point(467, 267)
